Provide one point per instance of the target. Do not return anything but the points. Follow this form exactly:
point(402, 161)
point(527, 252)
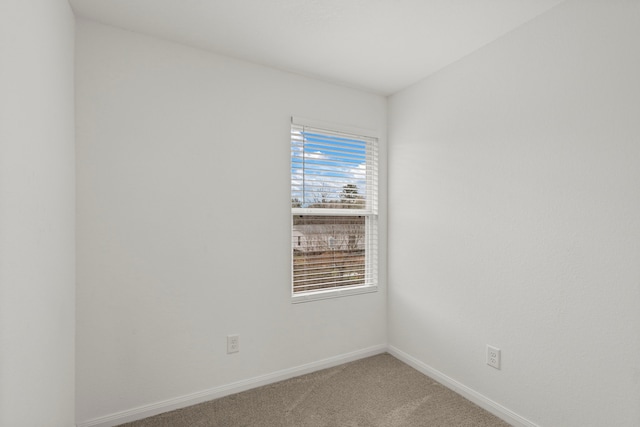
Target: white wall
point(36, 214)
point(514, 217)
point(183, 222)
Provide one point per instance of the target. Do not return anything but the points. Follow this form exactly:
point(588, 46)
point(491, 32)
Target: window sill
point(332, 293)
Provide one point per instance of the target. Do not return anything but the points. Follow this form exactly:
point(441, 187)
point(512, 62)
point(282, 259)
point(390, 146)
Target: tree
point(350, 197)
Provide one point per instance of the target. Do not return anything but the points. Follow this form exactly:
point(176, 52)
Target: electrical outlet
point(233, 344)
point(493, 356)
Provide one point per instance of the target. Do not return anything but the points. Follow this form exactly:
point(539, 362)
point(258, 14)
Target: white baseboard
point(468, 393)
point(225, 390)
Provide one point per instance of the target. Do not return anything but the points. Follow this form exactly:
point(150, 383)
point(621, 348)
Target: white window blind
point(334, 207)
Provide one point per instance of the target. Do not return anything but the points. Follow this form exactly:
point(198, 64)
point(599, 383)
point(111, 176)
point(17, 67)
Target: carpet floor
point(378, 391)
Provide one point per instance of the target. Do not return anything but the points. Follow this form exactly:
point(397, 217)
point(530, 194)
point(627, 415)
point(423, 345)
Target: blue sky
point(331, 163)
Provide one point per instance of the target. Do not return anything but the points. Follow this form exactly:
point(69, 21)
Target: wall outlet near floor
point(233, 344)
point(493, 356)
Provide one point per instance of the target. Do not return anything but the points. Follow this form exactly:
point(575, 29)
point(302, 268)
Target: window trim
point(302, 121)
point(301, 297)
point(322, 294)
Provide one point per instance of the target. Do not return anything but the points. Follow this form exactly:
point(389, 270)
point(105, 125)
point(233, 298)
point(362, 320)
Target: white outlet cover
point(493, 356)
point(233, 344)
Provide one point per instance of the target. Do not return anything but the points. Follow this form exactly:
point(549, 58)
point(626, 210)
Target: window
point(334, 211)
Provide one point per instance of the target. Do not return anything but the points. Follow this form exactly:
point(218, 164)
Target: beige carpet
point(378, 391)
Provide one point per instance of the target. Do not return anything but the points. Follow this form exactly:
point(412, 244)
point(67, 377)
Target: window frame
point(370, 212)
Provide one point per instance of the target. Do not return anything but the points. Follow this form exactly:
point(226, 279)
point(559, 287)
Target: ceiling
point(380, 46)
